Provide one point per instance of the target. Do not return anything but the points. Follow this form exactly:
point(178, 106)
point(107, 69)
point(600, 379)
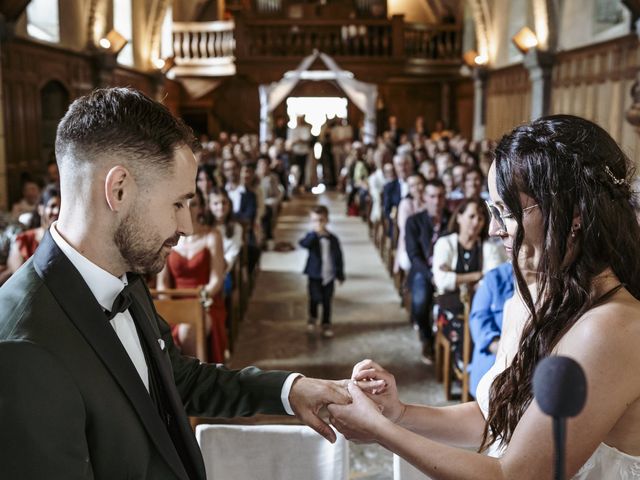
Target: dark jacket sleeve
point(419, 261)
point(42, 433)
point(248, 207)
point(309, 240)
point(339, 266)
point(387, 198)
point(209, 390)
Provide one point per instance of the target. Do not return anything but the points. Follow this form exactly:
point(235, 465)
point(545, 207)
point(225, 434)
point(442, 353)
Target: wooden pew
point(189, 306)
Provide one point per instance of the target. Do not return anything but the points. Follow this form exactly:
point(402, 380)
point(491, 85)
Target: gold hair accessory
point(617, 181)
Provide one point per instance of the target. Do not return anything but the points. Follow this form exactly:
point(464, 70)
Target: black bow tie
point(121, 303)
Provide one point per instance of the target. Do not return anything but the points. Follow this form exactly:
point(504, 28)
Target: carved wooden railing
point(285, 38)
point(432, 43)
point(204, 48)
point(212, 48)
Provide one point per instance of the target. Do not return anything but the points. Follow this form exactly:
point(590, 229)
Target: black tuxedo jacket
point(72, 405)
point(418, 241)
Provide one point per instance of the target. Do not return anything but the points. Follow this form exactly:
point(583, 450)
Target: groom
point(91, 384)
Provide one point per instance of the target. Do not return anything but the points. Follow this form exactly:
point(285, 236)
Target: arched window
point(123, 24)
point(42, 20)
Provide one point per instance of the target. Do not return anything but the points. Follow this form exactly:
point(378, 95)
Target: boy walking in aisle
point(324, 266)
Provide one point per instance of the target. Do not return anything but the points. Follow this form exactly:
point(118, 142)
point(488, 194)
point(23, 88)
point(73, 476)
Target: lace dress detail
point(606, 462)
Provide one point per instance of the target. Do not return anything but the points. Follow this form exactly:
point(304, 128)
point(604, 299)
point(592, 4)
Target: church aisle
point(367, 318)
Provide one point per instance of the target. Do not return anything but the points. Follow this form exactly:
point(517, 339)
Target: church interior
point(319, 103)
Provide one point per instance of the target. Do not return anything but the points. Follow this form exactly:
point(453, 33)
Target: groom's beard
point(144, 251)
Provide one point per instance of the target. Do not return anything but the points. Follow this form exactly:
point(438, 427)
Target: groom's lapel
point(76, 299)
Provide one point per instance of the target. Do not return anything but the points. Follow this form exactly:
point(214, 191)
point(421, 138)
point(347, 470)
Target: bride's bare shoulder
point(612, 327)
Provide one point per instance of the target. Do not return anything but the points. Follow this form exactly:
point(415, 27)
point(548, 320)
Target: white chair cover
point(271, 452)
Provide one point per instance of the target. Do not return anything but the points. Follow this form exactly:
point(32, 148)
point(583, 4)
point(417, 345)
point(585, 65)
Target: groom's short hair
point(120, 122)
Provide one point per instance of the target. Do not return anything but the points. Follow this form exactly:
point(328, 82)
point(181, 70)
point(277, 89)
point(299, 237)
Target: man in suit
point(421, 232)
point(244, 202)
point(92, 384)
point(397, 189)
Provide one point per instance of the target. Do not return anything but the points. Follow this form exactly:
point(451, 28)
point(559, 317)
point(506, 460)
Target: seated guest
point(272, 193)
point(485, 320)
point(251, 185)
point(29, 201)
point(376, 182)
point(25, 243)
point(9, 229)
point(473, 183)
point(397, 189)
point(428, 169)
point(197, 262)
point(231, 231)
point(410, 205)
point(422, 231)
point(243, 201)
point(205, 179)
point(462, 258)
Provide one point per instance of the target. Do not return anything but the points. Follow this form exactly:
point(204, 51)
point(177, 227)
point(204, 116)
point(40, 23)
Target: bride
point(561, 203)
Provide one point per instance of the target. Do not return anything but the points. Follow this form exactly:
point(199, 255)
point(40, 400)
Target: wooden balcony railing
point(204, 48)
point(212, 48)
point(284, 38)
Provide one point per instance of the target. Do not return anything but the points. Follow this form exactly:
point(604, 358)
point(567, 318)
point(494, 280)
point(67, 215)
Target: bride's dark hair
point(569, 166)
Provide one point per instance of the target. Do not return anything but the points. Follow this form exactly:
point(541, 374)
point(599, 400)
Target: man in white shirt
point(92, 384)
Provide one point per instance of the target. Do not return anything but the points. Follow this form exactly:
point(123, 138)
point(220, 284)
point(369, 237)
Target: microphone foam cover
point(560, 387)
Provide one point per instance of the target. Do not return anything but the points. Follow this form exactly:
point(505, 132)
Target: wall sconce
point(524, 40)
point(114, 42)
point(164, 64)
point(473, 59)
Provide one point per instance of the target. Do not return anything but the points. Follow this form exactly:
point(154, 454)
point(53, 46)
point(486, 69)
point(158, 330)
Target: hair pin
point(617, 181)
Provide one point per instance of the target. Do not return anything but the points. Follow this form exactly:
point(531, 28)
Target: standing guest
point(300, 139)
point(485, 320)
point(29, 201)
point(376, 182)
point(26, 243)
point(563, 208)
point(197, 262)
point(88, 369)
point(324, 266)
point(422, 231)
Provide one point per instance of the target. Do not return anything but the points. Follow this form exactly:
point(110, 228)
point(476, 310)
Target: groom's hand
point(309, 395)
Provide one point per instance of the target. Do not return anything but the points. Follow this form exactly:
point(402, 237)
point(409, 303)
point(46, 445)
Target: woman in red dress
point(197, 261)
point(25, 243)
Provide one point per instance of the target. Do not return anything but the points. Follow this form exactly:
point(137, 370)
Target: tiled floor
point(368, 321)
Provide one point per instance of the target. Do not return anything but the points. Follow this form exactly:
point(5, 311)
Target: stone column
point(539, 64)
point(479, 102)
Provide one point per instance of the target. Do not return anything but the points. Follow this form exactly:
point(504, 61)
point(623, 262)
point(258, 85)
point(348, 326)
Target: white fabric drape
point(363, 95)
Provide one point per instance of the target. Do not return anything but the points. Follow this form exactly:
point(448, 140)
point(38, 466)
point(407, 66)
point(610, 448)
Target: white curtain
point(363, 95)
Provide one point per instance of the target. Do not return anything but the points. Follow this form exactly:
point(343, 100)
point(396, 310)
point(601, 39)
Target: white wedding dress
point(606, 462)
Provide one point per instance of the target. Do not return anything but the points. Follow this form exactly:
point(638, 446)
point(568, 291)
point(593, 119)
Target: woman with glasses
point(564, 211)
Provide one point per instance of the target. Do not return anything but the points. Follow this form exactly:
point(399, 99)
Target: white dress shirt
point(235, 195)
point(105, 288)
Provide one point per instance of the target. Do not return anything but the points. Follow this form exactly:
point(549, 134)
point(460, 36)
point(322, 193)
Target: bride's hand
point(358, 421)
point(380, 386)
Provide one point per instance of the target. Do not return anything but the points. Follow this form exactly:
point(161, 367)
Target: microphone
point(560, 388)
